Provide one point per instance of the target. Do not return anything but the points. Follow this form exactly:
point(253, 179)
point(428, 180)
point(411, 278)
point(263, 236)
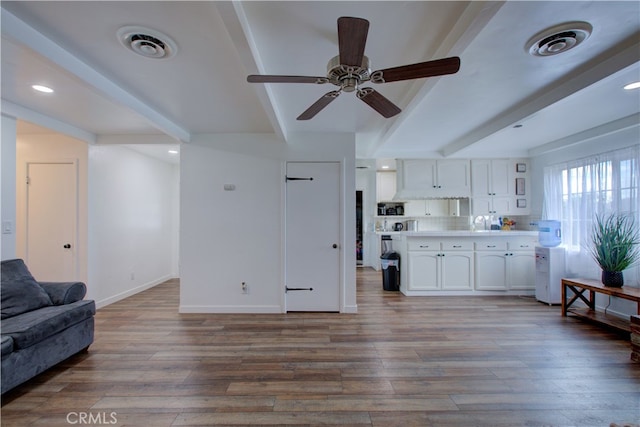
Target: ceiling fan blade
point(437, 67)
point(319, 105)
point(261, 78)
point(352, 37)
point(378, 102)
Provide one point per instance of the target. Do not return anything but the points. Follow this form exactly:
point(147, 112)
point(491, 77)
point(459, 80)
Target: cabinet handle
point(457, 246)
point(424, 246)
point(524, 246)
point(491, 246)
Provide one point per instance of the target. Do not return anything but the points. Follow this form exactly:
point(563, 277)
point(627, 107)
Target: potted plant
point(615, 246)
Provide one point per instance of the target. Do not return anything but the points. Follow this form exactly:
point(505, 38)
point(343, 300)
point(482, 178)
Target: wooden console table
point(580, 286)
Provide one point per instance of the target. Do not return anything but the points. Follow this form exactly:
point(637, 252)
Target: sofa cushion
point(32, 327)
point(64, 292)
point(19, 291)
point(7, 345)
point(21, 297)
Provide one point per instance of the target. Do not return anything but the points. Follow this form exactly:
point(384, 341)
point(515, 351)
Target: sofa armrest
point(64, 292)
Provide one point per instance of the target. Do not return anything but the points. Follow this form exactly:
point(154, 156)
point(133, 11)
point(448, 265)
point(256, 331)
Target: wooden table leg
point(564, 299)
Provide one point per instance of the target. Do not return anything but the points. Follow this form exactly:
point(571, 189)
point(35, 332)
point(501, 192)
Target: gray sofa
point(42, 323)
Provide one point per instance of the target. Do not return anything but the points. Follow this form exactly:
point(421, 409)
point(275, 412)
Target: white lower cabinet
point(469, 264)
point(505, 270)
point(440, 266)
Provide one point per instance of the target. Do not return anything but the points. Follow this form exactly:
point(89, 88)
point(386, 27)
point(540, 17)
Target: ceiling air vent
point(146, 42)
point(559, 39)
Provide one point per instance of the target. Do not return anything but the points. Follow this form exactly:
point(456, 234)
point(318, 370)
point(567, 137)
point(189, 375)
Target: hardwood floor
point(419, 361)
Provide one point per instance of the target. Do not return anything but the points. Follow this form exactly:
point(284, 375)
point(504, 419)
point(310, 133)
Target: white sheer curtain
point(575, 191)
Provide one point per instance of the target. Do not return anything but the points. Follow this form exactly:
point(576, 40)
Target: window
point(578, 190)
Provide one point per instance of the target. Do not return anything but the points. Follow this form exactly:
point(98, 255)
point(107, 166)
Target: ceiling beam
point(19, 112)
point(614, 126)
point(474, 18)
point(592, 72)
point(23, 34)
point(241, 36)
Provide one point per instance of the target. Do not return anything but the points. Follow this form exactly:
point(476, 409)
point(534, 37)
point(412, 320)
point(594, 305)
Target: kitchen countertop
point(460, 233)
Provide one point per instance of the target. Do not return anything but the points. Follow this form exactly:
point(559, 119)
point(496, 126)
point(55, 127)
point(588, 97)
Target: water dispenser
point(549, 234)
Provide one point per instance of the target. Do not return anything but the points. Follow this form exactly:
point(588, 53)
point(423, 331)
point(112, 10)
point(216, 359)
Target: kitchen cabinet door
point(491, 177)
point(419, 176)
point(522, 270)
point(453, 178)
point(497, 270)
point(426, 178)
point(502, 180)
point(385, 186)
point(491, 270)
point(493, 205)
point(456, 270)
point(423, 272)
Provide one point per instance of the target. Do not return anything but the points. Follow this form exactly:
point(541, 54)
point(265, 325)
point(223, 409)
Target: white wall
point(132, 217)
point(8, 185)
point(228, 237)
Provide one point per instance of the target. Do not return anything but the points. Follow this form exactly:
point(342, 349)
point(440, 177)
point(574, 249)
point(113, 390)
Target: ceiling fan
point(350, 69)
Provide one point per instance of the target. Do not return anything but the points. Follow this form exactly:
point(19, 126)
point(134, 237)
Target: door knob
point(334, 246)
point(67, 246)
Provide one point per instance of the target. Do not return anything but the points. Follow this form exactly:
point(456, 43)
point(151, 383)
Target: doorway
point(312, 236)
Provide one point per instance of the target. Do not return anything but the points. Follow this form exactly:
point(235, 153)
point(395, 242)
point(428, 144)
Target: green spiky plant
point(616, 241)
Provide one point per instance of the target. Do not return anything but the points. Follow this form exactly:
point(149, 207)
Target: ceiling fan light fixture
point(559, 39)
point(147, 42)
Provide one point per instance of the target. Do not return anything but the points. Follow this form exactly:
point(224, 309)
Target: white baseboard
point(133, 291)
point(231, 309)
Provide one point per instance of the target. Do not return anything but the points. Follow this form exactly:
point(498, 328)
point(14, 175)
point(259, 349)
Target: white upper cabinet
point(491, 178)
point(500, 186)
point(425, 178)
point(385, 186)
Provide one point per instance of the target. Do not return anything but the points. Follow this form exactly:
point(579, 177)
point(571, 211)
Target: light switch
point(7, 227)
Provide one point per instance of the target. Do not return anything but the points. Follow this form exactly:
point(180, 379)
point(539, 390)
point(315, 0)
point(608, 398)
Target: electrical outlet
point(133, 276)
point(245, 288)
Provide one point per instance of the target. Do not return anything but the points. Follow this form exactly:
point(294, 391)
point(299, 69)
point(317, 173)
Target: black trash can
point(390, 262)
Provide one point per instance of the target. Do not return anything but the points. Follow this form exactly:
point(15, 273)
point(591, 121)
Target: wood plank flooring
point(419, 361)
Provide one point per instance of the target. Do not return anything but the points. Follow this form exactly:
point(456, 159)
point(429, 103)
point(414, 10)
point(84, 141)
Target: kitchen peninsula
point(466, 262)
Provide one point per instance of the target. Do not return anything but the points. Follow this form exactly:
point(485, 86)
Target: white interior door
point(52, 210)
point(312, 227)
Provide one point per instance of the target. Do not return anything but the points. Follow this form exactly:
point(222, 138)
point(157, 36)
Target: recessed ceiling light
point(173, 151)
point(41, 88)
point(385, 166)
point(634, 85)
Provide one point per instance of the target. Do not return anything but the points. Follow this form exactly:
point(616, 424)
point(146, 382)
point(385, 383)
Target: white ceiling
point(103, 91)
